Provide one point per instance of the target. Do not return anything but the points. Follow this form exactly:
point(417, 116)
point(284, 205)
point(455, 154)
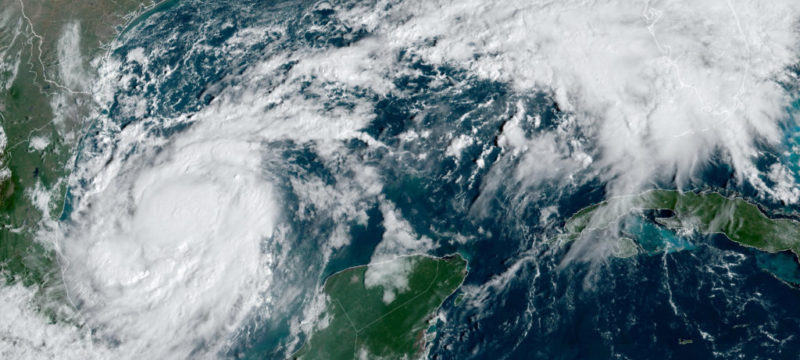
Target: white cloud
point(38, 143)
point(70, 61)
point(10, 52)
point(391, 275)
point(543, 157)
point(26, 334)
point(181, 221)
point(164, 250)
point(458, 144)
point(660, 85)
point(399, 238)
point(168, 241)
point(42, 197)
point(5, 172)
point(478, 296)
point(785, 188)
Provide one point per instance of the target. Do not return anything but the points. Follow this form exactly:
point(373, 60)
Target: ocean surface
point(427, 157)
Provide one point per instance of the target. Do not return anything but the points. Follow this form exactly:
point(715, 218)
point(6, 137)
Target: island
point(706, 212)
point(382, 310)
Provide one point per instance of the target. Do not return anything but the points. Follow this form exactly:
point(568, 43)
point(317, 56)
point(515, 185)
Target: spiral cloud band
point(174, 245)
point(168, 251)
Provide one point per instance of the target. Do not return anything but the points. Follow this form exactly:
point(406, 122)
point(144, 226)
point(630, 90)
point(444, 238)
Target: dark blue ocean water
point(726, 299)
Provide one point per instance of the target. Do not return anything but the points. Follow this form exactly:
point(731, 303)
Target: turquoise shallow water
point(653, 238)
point(542, 309)
point(791, 142)
point(784, 265)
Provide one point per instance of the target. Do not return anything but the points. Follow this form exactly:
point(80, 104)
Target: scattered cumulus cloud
point(390, 275)
point(659, 85)
point(27, 335)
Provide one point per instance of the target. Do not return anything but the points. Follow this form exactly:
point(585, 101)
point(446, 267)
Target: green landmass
point(358, 323)
point(45, 74)
point(706, 212)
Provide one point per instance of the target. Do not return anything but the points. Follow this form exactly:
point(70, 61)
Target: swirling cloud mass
point(169, 247)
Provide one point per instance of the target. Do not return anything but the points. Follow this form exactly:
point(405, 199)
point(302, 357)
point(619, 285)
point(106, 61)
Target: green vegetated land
point(358, 322)
point(45, 74)
point(708, 213)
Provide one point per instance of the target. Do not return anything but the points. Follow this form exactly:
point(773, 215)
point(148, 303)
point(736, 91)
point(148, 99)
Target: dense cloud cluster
point(184, 215)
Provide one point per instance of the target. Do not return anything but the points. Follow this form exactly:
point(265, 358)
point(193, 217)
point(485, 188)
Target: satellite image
point(399, 179)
